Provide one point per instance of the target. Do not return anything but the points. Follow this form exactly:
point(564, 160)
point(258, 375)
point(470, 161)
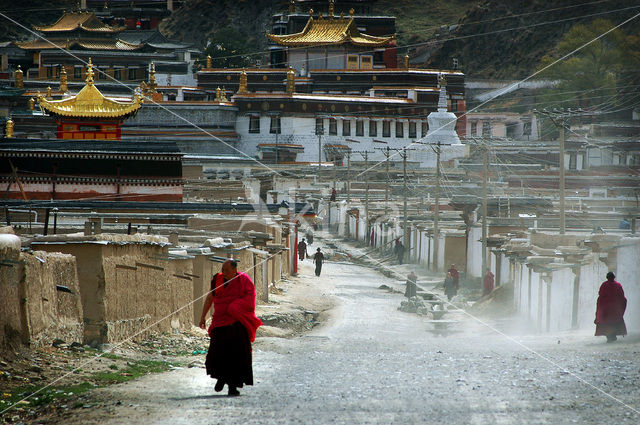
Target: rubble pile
point(414, 305)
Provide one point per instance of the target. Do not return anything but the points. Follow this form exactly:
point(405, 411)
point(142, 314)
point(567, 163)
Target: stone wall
point(11, 317)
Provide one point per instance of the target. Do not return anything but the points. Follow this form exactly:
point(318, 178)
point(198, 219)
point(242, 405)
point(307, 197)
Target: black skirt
point(229, 356)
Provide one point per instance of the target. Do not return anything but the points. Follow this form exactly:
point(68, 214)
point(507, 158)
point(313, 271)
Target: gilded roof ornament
point(331, 6)
point(89, 102)
point(8, 129)
point(19, 77)
point(63, 80)
point(291, 81)
point(218, 96)
point(209, 64)
point(32, 104)
point(242, 89)
point(89, 79)
point(152, 79)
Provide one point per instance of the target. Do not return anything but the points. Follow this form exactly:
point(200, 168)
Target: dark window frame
point(254, 124)
point(333, 127)
point(360, 128)
point(413, 130)
point(386, 128)
point(346, 127)
point(399, 129)
point(373, 125)
point(275, 126)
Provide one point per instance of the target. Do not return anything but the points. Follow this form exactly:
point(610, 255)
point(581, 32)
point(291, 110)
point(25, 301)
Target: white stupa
point(442, 129)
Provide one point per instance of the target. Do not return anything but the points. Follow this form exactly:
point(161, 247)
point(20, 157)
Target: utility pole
point(405, 232)
point(557, 117)
point(485, 155)
point(436, 212)
point(562, 188)
point(348, 177)
point(386, 188)
point(365, 155)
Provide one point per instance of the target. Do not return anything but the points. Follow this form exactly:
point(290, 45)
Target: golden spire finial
point(310, 13)
point(242, 89)
point(331, 5)
point(49, 92)
point(292, 6)
point(406, 61)
point(209, 61)
point(223, 96)
point(32, 104)
point(291, 81)
point(89, 78)
point(341, 15)
point(218, 97)
point(8, 129)
point(63, 80)
point(443, 80)
point(351, 12)
point(19, 77)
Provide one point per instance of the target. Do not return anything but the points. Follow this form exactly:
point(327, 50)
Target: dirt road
point(372, 364)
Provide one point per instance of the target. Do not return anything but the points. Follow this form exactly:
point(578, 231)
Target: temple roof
point(87, 21)
point(90, 103)
point(330, 31)
point(84, 44)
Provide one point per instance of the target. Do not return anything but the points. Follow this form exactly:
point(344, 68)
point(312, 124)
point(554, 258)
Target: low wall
point(40, 297)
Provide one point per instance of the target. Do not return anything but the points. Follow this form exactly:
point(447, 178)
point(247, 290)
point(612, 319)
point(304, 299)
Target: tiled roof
point(84, 20)
point(84, 44)
point(330, 31)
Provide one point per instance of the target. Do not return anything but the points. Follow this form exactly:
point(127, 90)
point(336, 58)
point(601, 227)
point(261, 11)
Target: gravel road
point(372, 364)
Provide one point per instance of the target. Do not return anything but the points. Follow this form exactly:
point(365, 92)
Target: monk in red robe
point(233, 328)
point(610, 309)
point(489, 282)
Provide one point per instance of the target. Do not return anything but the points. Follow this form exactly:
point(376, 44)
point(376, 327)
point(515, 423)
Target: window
point(275, 127)
point(399, 129)
point(49, 72)
point(117, 74)
point(352, 62)
point(486, 129)
point(412, 130)
point(333, 127)
point(77, 72)
point(474, 128)
point(346, 127)
point(254, 124)
point(425, 128)
point(373, 128)
point(132, 73)
point(386, 128)
point(573, 159)
point(319, 125)
point(366, 62)
point(359, 128)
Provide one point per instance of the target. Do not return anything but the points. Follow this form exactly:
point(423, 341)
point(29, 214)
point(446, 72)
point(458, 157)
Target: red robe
point(233, 302)
point(610, 309)
point(488, 283)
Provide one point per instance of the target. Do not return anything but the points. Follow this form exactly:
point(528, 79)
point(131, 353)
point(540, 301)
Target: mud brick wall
point(11, 319)
point(33, 311)
point(51, 313)
point(128, 287)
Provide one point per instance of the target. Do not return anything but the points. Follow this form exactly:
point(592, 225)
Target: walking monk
point(610, 309)
point(233, 328)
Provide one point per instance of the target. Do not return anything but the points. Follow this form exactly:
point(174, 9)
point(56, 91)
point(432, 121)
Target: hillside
point(508, 38)
point(29, 13)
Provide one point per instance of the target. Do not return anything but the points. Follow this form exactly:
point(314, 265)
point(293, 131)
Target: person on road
point(455, 274)
point(488, 283)
point(318, 259)
point(610, 309)
point(302, 249)
point(450, 287)
point(400, 252)
point(412, 287)
point(310, 237)
point(233, 328)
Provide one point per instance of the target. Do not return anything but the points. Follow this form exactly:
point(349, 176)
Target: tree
point(594, 77)
point(228, 48)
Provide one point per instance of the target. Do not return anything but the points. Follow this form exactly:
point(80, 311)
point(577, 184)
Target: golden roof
point(333, 31)
point(85, 44)
point(89, 102)
point(87, 21)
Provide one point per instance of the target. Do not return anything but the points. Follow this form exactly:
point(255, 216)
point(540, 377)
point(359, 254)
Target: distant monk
point(233, 328)
point(450, 288)
point(488, 283)
point(610, 309)
point(412, 287)
point(318, 259)
point(400, 252)
point(455, 275)
point(302, 249)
